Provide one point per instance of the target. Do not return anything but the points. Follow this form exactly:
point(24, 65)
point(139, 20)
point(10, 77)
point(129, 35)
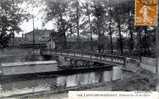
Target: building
point(41, 38)
point(15, 41)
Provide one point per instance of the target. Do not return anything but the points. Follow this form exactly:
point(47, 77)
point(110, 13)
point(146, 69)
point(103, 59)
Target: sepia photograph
point(51, 47)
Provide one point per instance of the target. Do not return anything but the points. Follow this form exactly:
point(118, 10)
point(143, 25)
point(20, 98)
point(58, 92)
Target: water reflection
point(107, 76)
point(46, 84)
point(117, 73)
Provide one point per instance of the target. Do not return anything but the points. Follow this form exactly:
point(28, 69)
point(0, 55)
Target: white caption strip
point(112, 95)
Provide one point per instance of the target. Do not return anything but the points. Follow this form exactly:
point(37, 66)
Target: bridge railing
point(101, 55)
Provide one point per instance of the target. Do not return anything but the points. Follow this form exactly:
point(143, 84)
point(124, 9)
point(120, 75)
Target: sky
point(39, 17)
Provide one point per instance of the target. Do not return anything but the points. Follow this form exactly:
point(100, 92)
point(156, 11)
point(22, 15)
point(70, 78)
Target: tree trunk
point(120, 38)
point(62, 33)
point(90, 27)
point(100, 36)
point(78, 34)
point(131, 41)
point(140, 44)
point(146, 43)
point(111, 39)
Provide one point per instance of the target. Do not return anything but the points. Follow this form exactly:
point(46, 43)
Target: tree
point(118, 19)
point(131, 40)
point(77, 23)
point(110, 14)
point(10, 17)
point(57, 11)
point(87, 21)
point(130, 23)
point(121, 16)
point(90, 24)
point(99, 13)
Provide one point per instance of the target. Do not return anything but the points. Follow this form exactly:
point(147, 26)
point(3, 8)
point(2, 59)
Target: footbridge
point(87, 56)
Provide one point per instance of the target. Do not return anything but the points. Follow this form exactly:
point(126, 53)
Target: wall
point(28, 69)
point(149, 64)
point(15, 55)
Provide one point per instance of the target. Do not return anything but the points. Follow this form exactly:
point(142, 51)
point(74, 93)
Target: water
point(64, 81)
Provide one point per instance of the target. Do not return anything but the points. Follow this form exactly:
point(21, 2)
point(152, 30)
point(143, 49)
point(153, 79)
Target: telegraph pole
point(157, 48)
point(33, 32)
point(157, 42)
point(77, 22)
point(33, 35)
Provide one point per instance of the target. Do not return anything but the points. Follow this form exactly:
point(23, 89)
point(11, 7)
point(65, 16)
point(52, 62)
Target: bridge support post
point(125, 62)
point(1, 69)
point(71, 62)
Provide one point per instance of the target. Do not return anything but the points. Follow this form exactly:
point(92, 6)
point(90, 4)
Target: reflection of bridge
point(86, 56)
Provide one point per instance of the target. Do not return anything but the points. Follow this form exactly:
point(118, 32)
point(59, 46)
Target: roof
point(39, 32)
point(114, 2)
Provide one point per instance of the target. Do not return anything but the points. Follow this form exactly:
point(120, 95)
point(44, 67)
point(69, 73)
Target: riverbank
point(141, 80)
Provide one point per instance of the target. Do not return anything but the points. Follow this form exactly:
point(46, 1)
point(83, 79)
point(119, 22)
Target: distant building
point(41, 38)
point(15, 42)
point(59, 39)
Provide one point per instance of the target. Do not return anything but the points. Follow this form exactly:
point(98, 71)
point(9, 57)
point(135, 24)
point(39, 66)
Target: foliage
point(105, 21)
point(10, 17)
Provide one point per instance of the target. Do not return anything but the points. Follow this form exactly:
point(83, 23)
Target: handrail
point(86, 53)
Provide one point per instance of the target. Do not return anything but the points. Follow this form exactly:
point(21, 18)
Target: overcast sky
point(39, 16)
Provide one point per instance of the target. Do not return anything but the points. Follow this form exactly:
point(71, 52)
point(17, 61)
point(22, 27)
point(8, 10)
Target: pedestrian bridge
point(87, 56)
